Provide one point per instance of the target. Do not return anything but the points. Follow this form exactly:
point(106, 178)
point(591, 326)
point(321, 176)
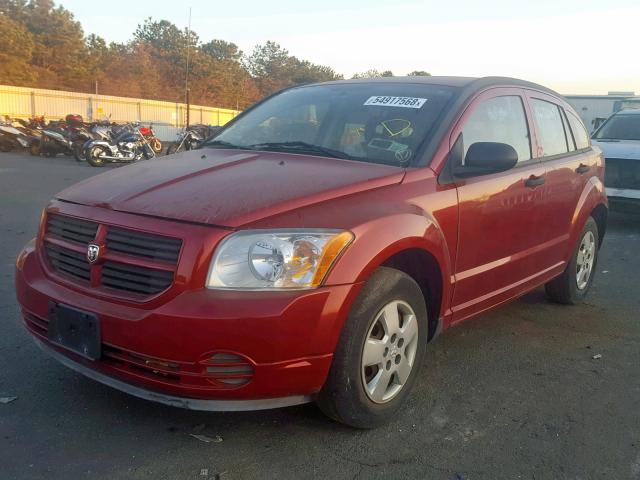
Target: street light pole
point(186, 77)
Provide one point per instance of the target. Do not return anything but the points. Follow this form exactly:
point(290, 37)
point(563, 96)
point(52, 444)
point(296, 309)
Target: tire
point(570, 288)
point(173, 148)
point(350, 395)
point(156, 145)
point(78, 152)
point(148, 152)
point(34, 148)
point(94, 156)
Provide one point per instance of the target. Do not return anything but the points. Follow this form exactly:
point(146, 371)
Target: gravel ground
point(513, 394)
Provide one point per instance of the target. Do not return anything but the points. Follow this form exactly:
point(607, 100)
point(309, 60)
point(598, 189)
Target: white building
point(595, 109)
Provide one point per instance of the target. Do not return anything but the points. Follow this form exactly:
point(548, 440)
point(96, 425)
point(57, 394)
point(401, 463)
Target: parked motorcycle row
point(192, 137)
point(98, 143)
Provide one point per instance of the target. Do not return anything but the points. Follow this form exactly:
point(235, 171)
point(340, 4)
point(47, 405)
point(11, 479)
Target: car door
point(564, 149)
point(499, 213)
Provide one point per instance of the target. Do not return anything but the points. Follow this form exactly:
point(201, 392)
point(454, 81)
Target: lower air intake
point(229, 369)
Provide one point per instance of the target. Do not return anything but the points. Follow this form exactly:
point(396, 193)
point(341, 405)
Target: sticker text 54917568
point(405, 102)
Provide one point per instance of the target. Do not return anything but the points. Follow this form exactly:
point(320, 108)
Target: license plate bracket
point(75, 330)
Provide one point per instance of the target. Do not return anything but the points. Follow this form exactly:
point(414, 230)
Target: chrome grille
point(69, 262)
point(135, 279)
point(134, 262)
point(622, 173)
point(145, 245)
point(71, 229)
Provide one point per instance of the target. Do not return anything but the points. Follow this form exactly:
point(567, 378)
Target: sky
point(572, 46)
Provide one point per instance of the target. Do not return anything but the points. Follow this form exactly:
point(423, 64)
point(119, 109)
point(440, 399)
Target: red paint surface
point(492, 237)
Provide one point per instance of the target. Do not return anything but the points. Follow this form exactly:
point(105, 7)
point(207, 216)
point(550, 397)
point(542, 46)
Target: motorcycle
point(117, 144)
point(66, 137)
point(32, 128)
point(150, 136)
point(191, 138)
point(11, 137)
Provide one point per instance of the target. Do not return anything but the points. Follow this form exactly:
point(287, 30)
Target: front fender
point(378, 240)
point(92, 143)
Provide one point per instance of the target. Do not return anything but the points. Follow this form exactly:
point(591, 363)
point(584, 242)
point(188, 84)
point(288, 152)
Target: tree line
point(43, 46)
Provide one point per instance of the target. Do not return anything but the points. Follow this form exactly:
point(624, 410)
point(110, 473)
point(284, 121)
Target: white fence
point(167, 117)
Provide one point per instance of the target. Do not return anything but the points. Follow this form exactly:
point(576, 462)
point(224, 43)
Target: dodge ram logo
point(93, 252)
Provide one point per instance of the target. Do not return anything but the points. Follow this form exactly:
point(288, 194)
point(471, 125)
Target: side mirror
point(487, 157)
point(492, 156)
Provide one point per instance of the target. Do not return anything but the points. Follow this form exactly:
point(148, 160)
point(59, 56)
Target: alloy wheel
point(585, 260)
point(389, 351)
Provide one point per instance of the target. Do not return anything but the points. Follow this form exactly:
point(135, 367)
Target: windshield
point(620, 127)
point(372, 122)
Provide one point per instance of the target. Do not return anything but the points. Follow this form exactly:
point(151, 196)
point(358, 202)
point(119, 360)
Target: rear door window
point(502, 120)
point(551, 134)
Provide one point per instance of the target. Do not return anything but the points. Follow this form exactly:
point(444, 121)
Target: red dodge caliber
point(313, 247)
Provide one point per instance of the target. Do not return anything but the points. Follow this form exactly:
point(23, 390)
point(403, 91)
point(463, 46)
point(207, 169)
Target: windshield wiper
point(223, 144)
point(301, 147)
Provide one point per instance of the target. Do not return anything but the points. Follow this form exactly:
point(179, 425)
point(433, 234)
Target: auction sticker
point(405, 102)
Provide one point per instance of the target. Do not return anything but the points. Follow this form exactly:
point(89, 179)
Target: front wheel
point(95, 156)
point(173, 148)
point(572, 286)
point(78, 151)
point(156, 145)
point(34, 148)
point(380, 352)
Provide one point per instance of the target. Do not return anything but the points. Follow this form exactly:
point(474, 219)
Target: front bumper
point(624, 200)
point(626, 193)
point(182, 402)
point(162, 353)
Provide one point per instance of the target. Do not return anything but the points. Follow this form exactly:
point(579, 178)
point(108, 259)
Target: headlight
point(270, 259)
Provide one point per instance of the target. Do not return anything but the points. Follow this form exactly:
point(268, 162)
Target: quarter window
point(550, 130)
point(579, 131)
point(502, 120)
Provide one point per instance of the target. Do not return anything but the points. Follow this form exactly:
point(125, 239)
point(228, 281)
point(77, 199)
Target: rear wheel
point(380, 352)
point(572, 286)
point(95, 156)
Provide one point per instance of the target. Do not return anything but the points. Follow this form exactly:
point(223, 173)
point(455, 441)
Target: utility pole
point(186, 76)
point(188, 108)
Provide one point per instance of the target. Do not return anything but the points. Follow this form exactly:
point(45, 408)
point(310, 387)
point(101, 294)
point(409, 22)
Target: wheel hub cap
point(585, 260)
point(389, 351)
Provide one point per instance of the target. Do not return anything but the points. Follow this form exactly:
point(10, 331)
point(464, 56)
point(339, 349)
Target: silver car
point(619, 139)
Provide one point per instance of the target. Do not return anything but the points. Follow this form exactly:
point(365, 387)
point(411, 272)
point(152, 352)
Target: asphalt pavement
point(532, 390)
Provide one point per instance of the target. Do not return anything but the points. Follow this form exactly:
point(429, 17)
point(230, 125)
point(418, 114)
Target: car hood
point(627, 149)
point(227, 188)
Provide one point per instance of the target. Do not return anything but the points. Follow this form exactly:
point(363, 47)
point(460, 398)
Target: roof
point(601, 97)
point(431, 80)
point(460, 82)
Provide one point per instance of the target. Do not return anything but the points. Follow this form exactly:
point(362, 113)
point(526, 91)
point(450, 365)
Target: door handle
point(582, 168)
point(534, 181)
